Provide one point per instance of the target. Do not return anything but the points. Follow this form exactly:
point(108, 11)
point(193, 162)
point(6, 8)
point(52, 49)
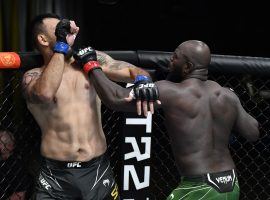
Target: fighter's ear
point(189, 67)
point(42, 40)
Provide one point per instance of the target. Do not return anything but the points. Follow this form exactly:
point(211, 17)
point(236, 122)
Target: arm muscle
point(119, 71)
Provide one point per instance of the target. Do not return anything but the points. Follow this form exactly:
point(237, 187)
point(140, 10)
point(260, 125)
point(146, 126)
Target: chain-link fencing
point(20, 141)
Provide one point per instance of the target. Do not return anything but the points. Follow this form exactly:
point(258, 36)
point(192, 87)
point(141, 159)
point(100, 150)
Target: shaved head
point(190, 59)
point(196, 52)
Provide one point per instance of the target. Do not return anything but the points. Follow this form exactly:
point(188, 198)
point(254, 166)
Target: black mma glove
point(145, 89)
point(87, 58)
point(61, 31)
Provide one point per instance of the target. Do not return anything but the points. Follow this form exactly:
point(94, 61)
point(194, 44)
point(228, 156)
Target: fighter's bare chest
point(75, 85)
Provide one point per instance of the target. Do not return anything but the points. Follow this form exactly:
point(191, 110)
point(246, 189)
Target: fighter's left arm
point(117, 70)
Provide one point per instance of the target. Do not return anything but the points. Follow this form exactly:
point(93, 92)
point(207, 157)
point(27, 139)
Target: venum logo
point(224, 179)
point(74, 164)
point(106, 182)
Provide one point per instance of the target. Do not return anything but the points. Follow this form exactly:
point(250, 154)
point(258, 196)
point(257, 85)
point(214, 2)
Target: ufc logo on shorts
point(74, 164)
point(44, 183)
point(83, 51)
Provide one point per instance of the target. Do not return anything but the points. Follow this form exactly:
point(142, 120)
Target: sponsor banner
point(136, 147)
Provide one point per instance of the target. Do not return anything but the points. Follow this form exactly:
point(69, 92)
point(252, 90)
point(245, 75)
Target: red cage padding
point(9, 60)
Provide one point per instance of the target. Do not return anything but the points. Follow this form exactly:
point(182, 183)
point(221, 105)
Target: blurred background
point(228, 27)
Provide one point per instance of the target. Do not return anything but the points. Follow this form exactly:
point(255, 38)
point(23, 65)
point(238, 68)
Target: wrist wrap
point(90, 66)
point(61, 47)
point(141, 78)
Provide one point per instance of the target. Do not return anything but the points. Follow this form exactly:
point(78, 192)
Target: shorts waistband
point(203, 177)
point(71, 164)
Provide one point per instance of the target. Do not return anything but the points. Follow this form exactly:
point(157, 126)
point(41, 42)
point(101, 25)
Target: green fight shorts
point(210, 186)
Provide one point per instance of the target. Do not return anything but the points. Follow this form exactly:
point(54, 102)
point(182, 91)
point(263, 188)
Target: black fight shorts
point(91, 180)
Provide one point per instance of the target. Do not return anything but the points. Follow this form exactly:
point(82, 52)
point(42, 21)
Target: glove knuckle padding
point(87, 58)
point(86, 54)
point(137, 93)
point(150, 93)
point(145, 89)
point(62, 30)
point(144, 94)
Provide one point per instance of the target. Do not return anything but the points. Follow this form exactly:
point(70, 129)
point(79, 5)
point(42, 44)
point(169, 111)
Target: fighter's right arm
point(144, 90)
point(245, 124)
point(41, 86)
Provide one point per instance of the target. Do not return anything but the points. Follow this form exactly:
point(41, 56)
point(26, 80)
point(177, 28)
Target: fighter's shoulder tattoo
point(29, 76)
point(33, 73)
